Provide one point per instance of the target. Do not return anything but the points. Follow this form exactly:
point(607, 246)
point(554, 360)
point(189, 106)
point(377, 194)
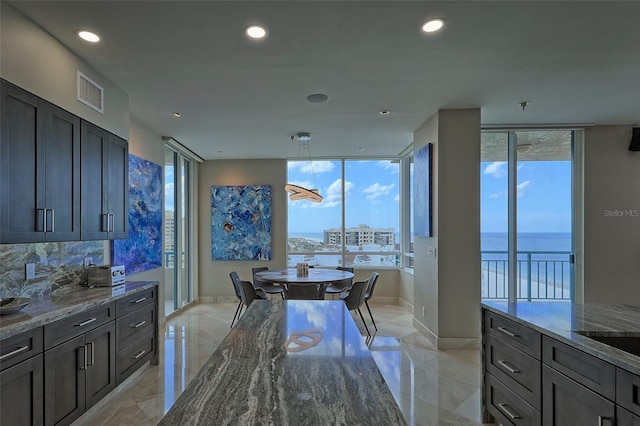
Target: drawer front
point(16, 349)
point(628, 391)
point(135, 301)
point(134, 356)
point(517, 335)
point(625, 418)
point(589, 371)
point(75, 325)
point(519, 371)
point(507, 407)
point(133, 326)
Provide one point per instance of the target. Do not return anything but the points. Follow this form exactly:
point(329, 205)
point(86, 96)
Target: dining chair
point(268, 288)
point(259, 294)
point(249, 294)
point(306, 291)
point(369, 293)
point(355, 299)
point(338, 287)
point(371, 285)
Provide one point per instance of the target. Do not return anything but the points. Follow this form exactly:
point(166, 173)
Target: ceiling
point(574, 62)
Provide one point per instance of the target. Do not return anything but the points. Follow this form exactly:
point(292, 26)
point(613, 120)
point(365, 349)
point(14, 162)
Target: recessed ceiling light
point(317, 98)
point(433, 25)
point(360, 149)
point(256, 32)
point(88, 36)
point(177, 114)
point(385, 112)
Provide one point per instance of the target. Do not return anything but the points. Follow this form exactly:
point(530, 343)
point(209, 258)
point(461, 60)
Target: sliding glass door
point(178, 276)
point(527, 215)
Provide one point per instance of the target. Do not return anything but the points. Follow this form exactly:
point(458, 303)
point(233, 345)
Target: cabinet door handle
point(14, 352)
point(105, 222)
point(139, 355)
point(507, 332)
point(92, 353)
point(140, 324)
point(83, 358)
point(601, 420)
point(506, 366)
point(89, 321)
point(112, 221)
point(142, 299)
point(635, 394)
point(508, 412)
point(44, 220)
point(53, 220)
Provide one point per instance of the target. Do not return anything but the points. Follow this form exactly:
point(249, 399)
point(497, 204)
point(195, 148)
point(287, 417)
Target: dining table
point(319, 277)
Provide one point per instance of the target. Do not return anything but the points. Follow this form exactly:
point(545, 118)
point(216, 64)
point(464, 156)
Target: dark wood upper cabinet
point(39, 169)
point(105, 200)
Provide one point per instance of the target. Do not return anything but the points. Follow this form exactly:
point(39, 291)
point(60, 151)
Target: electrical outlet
point(29, 271)
point(88, 261)
point(424, 311)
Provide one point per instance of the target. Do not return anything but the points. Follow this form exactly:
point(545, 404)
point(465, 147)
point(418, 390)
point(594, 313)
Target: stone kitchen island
point(557, 363)
point(292, 362)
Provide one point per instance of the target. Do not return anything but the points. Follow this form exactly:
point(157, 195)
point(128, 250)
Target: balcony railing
point(542, 275)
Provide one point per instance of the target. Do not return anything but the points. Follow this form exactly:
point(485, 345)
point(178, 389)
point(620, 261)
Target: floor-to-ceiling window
point(358, 222)
point(527, 215)
point(177, 225)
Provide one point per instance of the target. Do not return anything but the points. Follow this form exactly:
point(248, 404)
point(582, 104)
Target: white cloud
point(388, 165)
point(376, 190)
point(498, 194)
point(309, 166)
point(497, 169)
point(333, 194)
point(522, 187)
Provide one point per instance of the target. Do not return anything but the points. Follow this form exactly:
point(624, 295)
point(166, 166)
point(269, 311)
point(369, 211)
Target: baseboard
point(446, 343)
point(405, 304)
point(384, 300)
point(207, 299)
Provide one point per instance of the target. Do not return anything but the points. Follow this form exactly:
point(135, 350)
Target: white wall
point(611, 240)
point(448, 285)
point(37, 62)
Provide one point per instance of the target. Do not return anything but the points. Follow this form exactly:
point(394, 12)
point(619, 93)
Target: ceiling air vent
point(90, 93)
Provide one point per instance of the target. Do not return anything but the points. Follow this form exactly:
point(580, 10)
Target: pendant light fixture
point(297, 192)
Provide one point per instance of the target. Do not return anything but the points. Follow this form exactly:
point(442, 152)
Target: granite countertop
point(573, 323)
point(60, 305)
point(266, 372)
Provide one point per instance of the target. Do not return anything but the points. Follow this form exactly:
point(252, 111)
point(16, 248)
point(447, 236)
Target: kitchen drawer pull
point(14, 352)
point(508, 412)
point(506, 366)
point(142, 299)
point(89, 321)
point(139, 355)
point(507, 332)
point(140, 324)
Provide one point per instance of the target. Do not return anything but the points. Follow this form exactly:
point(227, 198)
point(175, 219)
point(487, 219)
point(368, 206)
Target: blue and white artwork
point(143, 249)
point(241, 222)
point(423, 191)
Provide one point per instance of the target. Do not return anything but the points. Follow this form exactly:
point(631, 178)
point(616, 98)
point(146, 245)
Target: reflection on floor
point(431, 387)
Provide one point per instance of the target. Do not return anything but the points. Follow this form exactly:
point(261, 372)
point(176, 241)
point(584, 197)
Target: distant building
point(169, 231)
point(363, 235)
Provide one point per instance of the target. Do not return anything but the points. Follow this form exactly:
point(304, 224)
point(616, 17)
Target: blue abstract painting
point(423, 191)
point(143, 249)
point(241, 222)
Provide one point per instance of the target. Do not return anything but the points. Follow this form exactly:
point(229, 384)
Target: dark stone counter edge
point(572, 338)
point(40, 312)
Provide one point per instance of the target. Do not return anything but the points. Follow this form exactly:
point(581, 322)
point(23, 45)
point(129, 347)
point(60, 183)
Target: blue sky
point(544, 196)
point(372, 195)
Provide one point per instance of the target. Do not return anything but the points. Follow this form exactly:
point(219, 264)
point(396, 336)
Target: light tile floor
point(431, 387)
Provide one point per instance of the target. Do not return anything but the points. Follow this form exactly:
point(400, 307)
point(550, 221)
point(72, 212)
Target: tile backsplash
point(59, 266)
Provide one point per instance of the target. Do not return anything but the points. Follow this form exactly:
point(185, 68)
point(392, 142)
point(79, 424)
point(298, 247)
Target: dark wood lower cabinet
point(78, 373)
point(566, 402)
point(21, 393)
